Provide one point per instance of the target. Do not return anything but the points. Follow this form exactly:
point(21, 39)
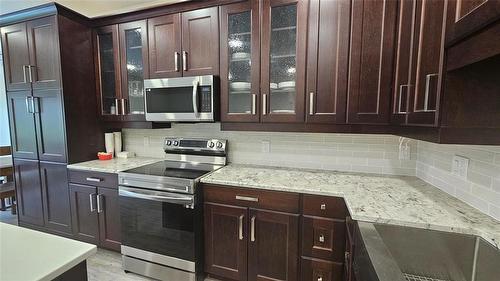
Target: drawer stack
point(323, 238)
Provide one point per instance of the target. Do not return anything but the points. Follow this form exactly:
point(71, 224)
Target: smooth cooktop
point(174, 169)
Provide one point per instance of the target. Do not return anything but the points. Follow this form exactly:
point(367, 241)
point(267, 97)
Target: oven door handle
point(187, 201)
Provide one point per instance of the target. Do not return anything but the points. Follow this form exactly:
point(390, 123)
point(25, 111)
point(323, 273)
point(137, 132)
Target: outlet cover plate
point(460, 166)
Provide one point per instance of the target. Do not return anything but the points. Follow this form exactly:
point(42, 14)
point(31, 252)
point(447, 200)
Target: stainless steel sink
point(395, 253)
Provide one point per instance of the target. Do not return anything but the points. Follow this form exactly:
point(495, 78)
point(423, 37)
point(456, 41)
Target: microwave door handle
point(195, 97)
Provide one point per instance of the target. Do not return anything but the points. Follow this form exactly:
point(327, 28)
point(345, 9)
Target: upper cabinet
point(31, 51)
point(327, 61)
point(371, 61)
point(419, 62)
point(466, 17)
point(164, 36)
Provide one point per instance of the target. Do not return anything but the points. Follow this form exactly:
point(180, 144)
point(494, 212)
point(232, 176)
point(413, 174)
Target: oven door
point(158, 226)
point(180, 99)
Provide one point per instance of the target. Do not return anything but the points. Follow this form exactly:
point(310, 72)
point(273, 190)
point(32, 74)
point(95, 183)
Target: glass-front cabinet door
point(134, 67)
point(240, 60)
point(283, 60)
point(108, 72)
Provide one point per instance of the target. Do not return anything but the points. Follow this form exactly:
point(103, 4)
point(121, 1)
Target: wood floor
point(107, 266)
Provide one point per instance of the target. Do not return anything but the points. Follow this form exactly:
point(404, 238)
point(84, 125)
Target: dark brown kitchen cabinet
point(28, 191)
point(22, 125)
point(95, 208)
point(371, 61)
point(273, 245)
point(239, 62)
point(327, 61)
point(84, 213)
point(320, 270)
point(419, 62)
point(200, 42)
point(164, 37)
point(283, 60)
point(31, 51)
point(226, 241)
point(466, 17)
point(56, 197)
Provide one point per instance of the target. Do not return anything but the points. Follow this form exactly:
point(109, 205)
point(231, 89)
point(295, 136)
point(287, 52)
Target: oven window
point(162, 228)
point(170, 100)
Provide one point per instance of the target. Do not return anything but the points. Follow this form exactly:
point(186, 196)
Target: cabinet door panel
point(56, 206)
point(44, 53)
point(226, 239)
point(316, 269)
point(426, 89)
point(371, 59)
point(328, 55)
point(109, 218)
point(134, 67)
point(283, 58)
point(323, 238)
point(16, 57)
point(84, 216)
point(107, 64)
point(28, 191)
point(200, 42)
point(273, 246)
point(240, 60)
point(50, 127)
point(164, 35)
point(22, 125)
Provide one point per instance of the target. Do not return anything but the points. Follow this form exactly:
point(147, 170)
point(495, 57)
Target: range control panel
point(194, 144)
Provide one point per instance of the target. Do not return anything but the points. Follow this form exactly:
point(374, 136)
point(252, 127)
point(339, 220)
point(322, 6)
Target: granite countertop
point(32, 255)
point(114, 165)
point(398, 200)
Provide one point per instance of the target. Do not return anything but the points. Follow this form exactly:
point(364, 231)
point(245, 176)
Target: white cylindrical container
point(118, 142)
point(109, 142)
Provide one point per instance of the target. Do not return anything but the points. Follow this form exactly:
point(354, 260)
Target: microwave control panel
point(206, 98)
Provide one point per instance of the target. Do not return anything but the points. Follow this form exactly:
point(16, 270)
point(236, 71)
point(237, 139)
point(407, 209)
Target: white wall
point(348, 152)
point(4, 117)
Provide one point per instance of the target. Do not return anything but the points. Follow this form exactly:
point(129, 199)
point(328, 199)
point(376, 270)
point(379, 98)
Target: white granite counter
point(32, 255)
point(399, 200)
point(5, 161)
point(114, 165)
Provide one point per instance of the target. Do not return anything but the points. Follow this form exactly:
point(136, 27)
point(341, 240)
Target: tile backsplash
point(342, 152)
point(348, 152)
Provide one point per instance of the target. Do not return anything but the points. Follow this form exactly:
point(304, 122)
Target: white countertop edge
point(69, 265)
point(423, 225)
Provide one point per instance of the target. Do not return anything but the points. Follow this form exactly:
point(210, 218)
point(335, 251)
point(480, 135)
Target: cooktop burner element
point(172, 169)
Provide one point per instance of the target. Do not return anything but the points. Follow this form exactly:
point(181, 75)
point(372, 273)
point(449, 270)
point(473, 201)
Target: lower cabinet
point(320, 270)
point(95, 214)
point(28, 191)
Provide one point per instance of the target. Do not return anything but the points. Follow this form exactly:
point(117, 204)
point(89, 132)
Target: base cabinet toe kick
point(253, 234)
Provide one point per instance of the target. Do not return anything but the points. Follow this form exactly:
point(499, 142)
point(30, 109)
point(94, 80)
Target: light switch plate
point(266, 146)
point(460, 166)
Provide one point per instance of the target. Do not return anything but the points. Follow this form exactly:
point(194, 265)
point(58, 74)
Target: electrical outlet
point(459, 166)
point(266, 146)
point(404, 152)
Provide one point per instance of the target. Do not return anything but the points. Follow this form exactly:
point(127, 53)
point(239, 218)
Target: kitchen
point(251, 140)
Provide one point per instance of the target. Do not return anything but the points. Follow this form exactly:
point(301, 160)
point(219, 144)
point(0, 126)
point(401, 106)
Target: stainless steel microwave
point(182, 99)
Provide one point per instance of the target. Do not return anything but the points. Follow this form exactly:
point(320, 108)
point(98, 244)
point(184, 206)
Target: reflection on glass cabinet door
point(107, 72)
point(135, 71)
point(282, 59)
point(239, 63)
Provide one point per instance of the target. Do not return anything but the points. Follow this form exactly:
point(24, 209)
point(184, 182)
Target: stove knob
point(219, 144)
point(169, 142)
point(211, 144)
point(176, 143)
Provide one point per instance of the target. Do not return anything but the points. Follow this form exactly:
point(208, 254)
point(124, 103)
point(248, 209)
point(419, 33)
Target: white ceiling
point(89, 8)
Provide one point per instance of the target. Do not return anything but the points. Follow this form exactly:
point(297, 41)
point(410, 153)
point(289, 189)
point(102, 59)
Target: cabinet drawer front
point(320, 270)
point(261, 199)
point(93, 178)
point(323, 238)
point(324, 206)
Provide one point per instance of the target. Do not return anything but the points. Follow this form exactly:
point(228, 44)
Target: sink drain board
point(411, 277)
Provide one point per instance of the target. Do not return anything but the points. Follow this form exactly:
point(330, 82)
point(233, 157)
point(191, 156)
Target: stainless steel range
point(161, 211)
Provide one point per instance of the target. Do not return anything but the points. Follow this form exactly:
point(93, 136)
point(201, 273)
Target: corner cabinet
point(263, 77)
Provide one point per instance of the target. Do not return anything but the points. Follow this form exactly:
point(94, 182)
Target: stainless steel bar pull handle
point(264, 104)
point(29, 73)
point(400, 102)
point(427, 89)
point(92, 179)
point(124, 111)
point(34, 106)
point(240, 228)
point(247, 198)
point(254, 101)
point(91, 197)
point(311, 103)
point(24, 73)
point(184, 61)
point(99, 203)
point(176, 61)
point(28, 108)
point(252, 229)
